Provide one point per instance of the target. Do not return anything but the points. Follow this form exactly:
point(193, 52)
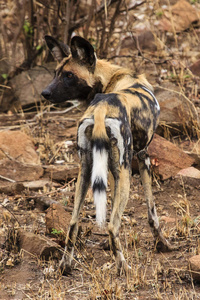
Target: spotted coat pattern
point(120, 121)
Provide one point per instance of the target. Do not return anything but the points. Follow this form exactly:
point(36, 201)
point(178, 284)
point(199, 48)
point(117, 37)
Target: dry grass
point(152, 275)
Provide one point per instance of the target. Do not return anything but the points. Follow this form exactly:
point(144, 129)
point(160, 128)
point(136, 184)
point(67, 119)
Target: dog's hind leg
point(144, 167)
point(81, 191)
point(121, 195)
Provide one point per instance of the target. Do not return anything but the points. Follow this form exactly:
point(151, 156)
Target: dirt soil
point(153, 275)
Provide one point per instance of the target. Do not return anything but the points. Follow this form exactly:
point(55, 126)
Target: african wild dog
point(119, 122)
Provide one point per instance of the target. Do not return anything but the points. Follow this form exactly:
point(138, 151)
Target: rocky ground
point(36, 205)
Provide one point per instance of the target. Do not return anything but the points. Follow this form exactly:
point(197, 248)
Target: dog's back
point(105, 132)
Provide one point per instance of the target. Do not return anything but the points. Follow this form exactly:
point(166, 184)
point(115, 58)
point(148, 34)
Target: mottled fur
point(120, 121)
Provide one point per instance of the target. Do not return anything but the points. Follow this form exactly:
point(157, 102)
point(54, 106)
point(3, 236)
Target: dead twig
point(132, 7)
point(137, 45)
point(83, 20)
point(100, 234)
point(10, 213)
point(41, 114)
point(5, 86)
point(6, 178)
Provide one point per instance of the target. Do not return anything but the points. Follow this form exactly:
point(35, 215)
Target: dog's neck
point(112, 77)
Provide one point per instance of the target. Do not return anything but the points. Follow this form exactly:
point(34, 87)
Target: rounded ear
point(58, 49)
point(83, 51)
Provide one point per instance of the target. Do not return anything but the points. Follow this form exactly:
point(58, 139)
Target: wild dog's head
point(74, 74)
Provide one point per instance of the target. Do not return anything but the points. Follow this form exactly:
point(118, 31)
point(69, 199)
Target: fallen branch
point(5, 86)
point(6, 178)
point(75, 104)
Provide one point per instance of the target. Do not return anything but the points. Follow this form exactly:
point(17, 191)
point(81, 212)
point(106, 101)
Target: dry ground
point(153, 275)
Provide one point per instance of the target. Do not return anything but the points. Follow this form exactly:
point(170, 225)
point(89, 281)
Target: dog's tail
point(100, 163)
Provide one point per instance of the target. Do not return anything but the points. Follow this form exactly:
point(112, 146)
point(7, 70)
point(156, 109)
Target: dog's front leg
point(81, 191)
point(161, 243)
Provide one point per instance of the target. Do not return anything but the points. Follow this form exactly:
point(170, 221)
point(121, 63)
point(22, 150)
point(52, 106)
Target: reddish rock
point(190, 172)
point(18, 171)
point(192, 149)
point(167, 159)
point(40, 184)
point(57, 218)
point(194, 267)
point(11, 188)
point(168, 219)
point(62, 172)
point(183, 15)
point(38, 245)
point(195, 68)
point(71, 132)
point(18, 158)
point(146, 41)
point(28, 85)
point(175, 109)
point(19, 146)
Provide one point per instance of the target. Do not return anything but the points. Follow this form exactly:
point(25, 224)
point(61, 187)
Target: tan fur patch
point(100, 113)
point(80, 71)
point(69, 64)
point(63, 62)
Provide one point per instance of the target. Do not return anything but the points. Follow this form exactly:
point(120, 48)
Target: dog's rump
point(104, 135)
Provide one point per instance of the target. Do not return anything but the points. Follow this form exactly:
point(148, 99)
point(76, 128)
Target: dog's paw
point(123, 268)
point(164, 246)
point(65, 269)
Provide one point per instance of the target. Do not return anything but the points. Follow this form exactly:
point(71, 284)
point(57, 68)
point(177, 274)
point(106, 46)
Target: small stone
point(19, 146)
point(195, 68)
point(168, 219)
point(38, 245)
point(190, 172)
point(170, 159)
point(194, 267)
point(57, 218)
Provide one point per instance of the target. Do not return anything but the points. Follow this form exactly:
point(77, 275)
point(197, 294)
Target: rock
point(175, 109)
point(19, 146)
point(146, 41)
point(11, 188)
point(190, 172)
point(166, 158)
point(192, 148)
point(39, 184)
point(18, 171)
point(18, 158)
point(168, 219)
point(71, 132)
point(194, 267)
point(57, 218)
point(62, 172)
point(42, 202)
point(38, 245)
point(26, 87)
point(195, 68)
point(179, 17)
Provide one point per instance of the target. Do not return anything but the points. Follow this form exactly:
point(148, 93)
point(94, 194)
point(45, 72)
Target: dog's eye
point(68, 74)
